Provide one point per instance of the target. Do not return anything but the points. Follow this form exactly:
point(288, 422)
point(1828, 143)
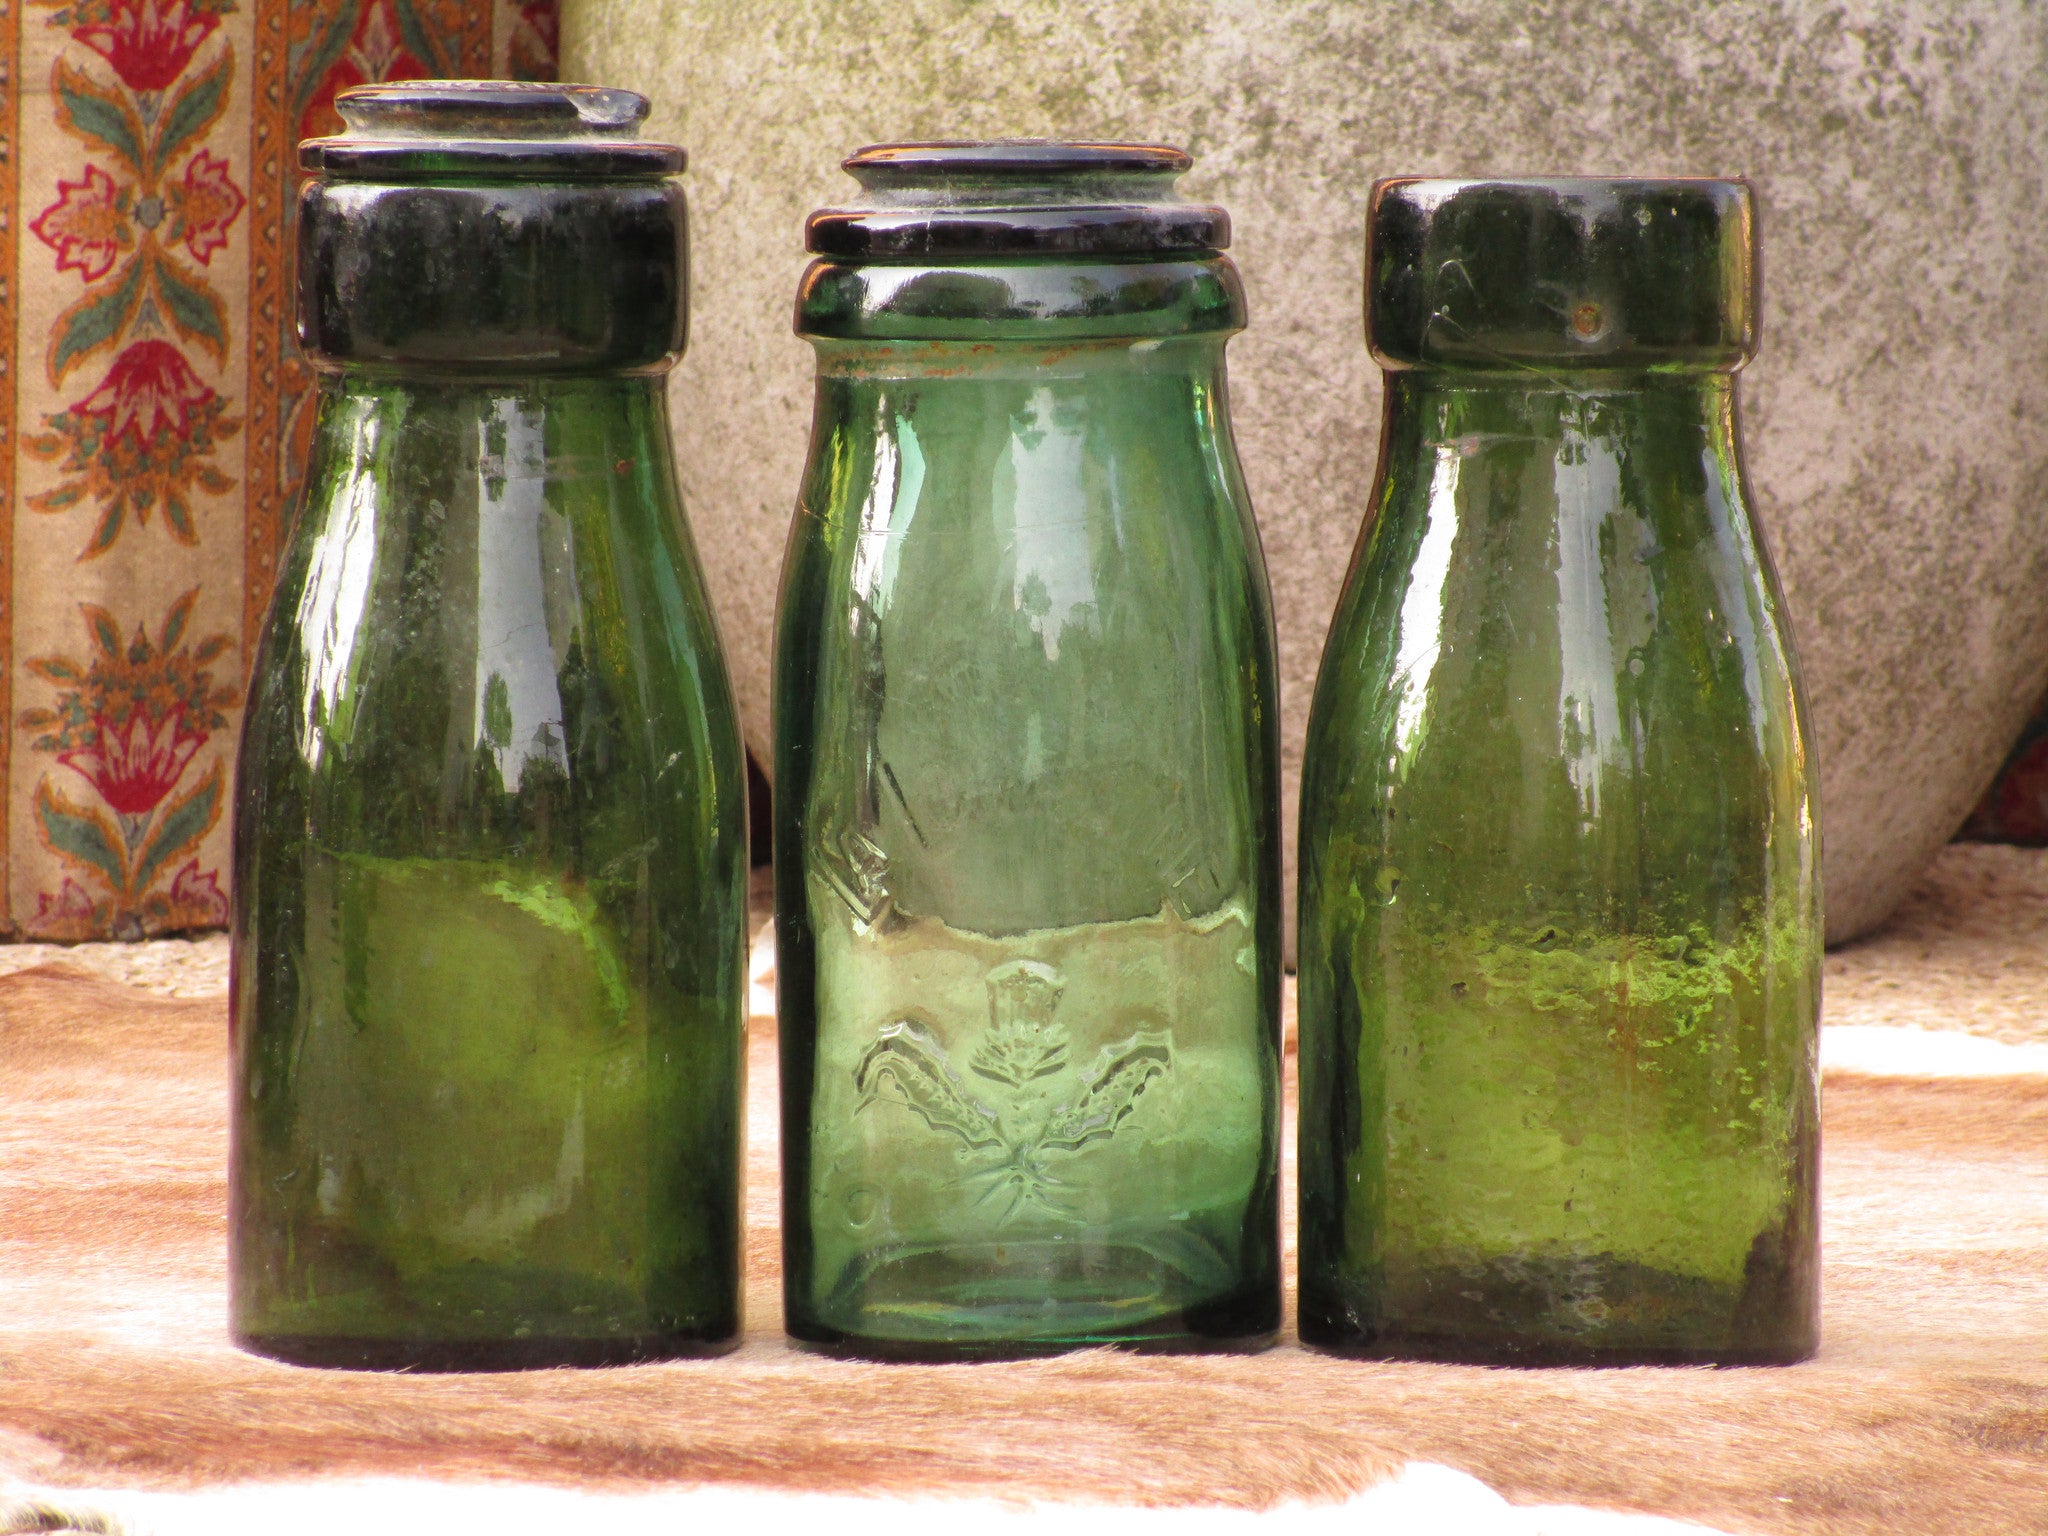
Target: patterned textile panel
point(159, 410)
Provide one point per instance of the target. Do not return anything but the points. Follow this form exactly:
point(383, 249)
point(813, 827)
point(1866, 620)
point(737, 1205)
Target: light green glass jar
point(1026, 773)
point(1560, 904)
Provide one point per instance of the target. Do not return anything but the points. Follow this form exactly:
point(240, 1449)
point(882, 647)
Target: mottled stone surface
point(1897, 418)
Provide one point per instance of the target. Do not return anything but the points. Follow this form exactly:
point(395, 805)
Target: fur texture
point(1927, 1410)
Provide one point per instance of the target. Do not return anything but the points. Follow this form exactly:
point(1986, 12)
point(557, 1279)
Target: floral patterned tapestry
point(159, 410)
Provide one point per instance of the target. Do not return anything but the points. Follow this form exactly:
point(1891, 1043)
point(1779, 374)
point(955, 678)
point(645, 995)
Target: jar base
point(1438, 1349)
point(1580, 1311)
point(479, 1355)
point(840, 1346)
point(979, 1301)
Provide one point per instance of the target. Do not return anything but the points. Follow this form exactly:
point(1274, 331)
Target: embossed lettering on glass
point(489, 901)
point(1560, 901)
point(1025, 773)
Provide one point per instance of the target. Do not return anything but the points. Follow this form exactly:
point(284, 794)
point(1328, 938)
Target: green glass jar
point(489, 899)
point(1560, 905)
point(1026, 773)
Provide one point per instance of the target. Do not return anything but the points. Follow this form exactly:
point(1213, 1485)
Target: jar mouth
point(489, 129)
point(502, 109)
point(975, 200)
point(930, 171)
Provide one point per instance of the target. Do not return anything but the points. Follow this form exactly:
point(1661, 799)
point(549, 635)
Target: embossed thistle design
point(1031, 1129)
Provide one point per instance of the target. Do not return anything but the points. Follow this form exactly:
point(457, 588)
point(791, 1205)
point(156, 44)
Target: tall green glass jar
point(1026, 773)
point(1560, 903)
point(489, 899)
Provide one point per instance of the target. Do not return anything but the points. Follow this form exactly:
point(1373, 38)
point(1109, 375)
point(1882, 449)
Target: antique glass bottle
point(489, 901)
point(1560, 910)
point(1025, 834)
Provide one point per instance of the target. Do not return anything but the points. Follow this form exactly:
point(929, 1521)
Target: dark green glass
point(489, 900)
point(1560, 905)
point(1026, 772)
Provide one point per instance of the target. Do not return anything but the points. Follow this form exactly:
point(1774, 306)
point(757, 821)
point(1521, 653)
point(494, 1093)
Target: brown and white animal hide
point(1926, 1412)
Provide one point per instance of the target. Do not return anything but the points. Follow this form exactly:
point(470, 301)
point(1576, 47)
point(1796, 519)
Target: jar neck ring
point(1028, 301)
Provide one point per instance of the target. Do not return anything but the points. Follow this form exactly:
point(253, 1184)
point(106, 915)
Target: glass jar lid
point(968, 201)
point(426, 129)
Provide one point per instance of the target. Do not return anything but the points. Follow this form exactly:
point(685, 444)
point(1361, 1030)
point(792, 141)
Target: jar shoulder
point(1548, 689)
point(495, 590)
point(1570, 623)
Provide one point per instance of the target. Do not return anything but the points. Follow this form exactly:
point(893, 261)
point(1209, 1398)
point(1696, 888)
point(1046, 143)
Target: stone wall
point(1897, 416)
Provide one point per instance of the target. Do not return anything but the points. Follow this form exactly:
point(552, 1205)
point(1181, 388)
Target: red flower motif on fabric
point(134, 763)
point(145, 438)
point(196, 899)
point(164, 189)
point(88, 224)
point(138, 442)
point(149, 42)
point(203, 205)
point(129, 720)
point(151, 390)
point(70, 914)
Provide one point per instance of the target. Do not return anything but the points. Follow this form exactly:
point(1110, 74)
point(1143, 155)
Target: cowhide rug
point(1926, 1411)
